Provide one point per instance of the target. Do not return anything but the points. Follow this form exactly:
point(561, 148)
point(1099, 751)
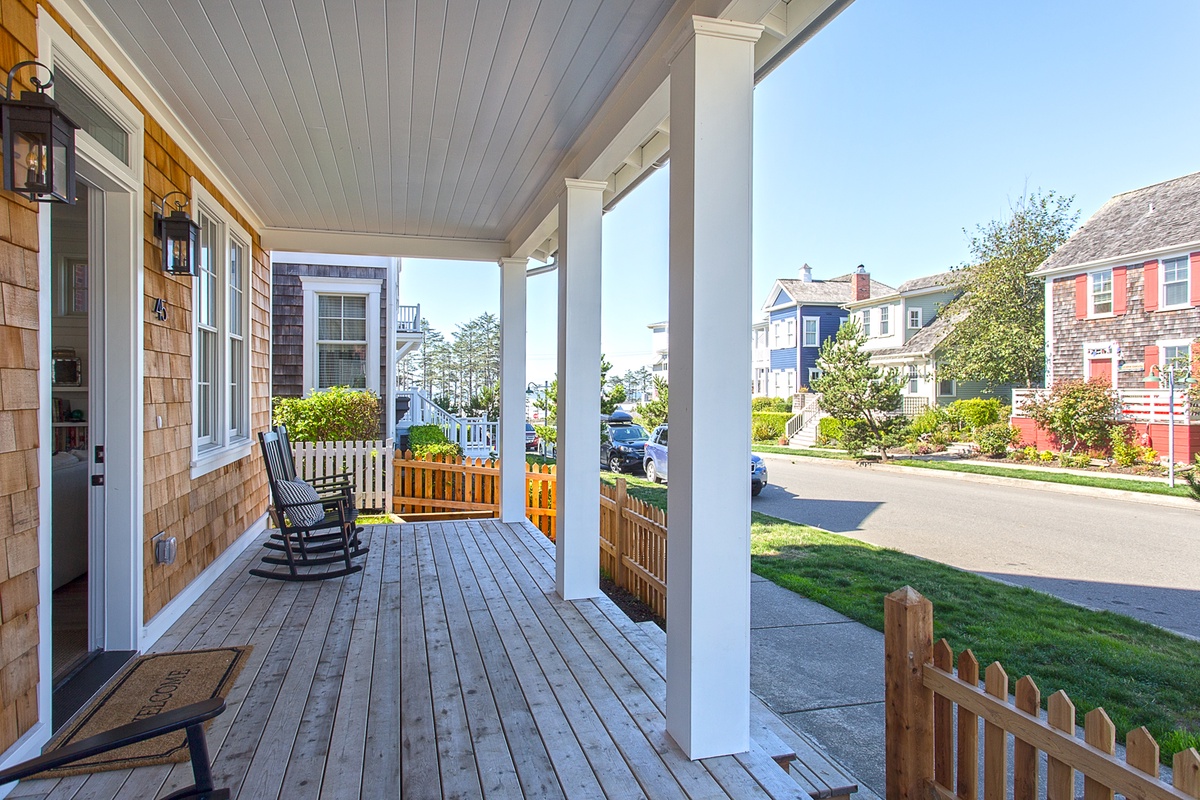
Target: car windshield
point(628, 433)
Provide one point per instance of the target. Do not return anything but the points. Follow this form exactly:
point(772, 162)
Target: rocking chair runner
point(313, 531)
point(191, 718)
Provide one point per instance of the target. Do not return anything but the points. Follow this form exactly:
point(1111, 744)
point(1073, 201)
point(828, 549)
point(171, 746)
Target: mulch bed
point(634, 608)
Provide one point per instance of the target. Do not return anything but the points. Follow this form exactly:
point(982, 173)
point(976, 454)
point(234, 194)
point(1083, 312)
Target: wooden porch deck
point(446, 668)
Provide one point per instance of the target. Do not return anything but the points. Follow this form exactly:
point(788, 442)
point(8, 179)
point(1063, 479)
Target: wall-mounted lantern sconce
point(180, 237)
point(39, 142)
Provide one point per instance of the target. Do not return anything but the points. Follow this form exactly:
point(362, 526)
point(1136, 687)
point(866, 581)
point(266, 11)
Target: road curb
point(1060, 488)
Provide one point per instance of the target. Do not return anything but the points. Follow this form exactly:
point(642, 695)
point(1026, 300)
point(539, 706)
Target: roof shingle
point(834, 290)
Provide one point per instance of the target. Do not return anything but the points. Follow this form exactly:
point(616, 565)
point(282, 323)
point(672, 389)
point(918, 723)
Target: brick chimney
point(860, 284)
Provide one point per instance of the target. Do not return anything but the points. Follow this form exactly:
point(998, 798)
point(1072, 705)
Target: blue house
point(798, 316)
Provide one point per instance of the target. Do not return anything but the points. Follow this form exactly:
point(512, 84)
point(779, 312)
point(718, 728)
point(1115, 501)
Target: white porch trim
point(708, 558)
point(578, 541)
point(512, 388)
point(311, 287)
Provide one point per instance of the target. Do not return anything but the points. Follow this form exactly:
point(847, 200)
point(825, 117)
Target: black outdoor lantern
point(39, 142)
point(180, 237)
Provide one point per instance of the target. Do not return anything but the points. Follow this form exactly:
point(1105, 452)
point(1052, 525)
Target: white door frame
point(124, 291)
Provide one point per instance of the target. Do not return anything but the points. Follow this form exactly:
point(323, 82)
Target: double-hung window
point(914, 385)
point(1101, 288)
point(1175, 281)
point(885, 320)
point(812, 332)
point(866, 322)
point(791, 332)
point(221, 360)
point(914, 319)
point(341, 341)
point(1177, 353)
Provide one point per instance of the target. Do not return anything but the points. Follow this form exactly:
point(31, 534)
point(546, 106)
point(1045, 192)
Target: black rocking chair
point(328, 539)
point(191, 718)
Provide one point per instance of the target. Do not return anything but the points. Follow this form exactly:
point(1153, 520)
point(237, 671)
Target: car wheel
point(614, 463)
point(756, 491)
point(651, 472)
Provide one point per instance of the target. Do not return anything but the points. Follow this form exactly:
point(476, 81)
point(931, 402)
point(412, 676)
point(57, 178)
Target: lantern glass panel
point(61, 169)
point(29, 162)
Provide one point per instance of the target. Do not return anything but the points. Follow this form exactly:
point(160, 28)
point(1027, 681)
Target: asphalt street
point(1132, 558)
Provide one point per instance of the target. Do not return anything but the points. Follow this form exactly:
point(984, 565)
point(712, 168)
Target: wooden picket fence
point(633, 545)
point(930, 756)
point(443, 485)
point(366, 461)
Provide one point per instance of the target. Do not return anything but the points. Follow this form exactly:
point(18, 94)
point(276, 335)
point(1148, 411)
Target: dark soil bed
point(634, 608)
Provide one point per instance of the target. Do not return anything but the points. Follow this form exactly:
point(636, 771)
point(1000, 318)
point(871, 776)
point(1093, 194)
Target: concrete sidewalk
point(823, 673)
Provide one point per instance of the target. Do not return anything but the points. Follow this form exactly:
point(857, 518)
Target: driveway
point(1132, 558)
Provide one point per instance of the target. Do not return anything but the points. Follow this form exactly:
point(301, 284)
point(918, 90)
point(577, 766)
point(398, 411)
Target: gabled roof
point(938, 281)
point(833, 291)
point(922, 343)
point(1151, 218)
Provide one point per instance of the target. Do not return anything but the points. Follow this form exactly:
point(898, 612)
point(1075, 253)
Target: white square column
point(577, 544)
point(708, 537)
point(512, 388)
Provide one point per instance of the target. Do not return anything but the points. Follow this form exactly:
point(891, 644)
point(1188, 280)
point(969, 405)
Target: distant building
point(658, 342)
point(799, 315)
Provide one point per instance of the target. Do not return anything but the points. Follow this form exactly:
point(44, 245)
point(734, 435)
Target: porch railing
point(1134, 405)
point(477, 436)
point(915, 405)
point(408, 319)
point(930, 756)
point(367, 461)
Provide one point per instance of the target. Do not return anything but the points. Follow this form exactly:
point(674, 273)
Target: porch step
point(814, 770)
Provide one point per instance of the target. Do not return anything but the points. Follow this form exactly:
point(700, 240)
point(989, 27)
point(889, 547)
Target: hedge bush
point(781, 404)
point(996, 438)
point(973, 414)
point(768, 426)
point(830, 431)
point(430, 440)
point(339, 414)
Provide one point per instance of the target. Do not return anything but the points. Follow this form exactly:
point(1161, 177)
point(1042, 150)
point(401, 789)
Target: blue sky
point(895, 128)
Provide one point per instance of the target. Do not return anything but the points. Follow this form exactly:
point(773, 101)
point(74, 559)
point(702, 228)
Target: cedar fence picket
point(366, 461)
point(922, 691)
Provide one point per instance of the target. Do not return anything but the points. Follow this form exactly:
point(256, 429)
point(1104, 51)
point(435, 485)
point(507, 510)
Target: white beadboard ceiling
point(435, 118)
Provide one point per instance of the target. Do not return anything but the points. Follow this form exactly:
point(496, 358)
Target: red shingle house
point(1123, 301)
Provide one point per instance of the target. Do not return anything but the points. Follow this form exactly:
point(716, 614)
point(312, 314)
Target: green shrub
point(1077, 412)
point(339, 414)
point(1021, 454)
point(829, 432)
point(973, 414)
point(1124, 449)
point(1046, 456)
point(430, 440)
point(995, 439)
point(768, 425)
point(547, 433)
point(1076, 460)
point(780, 404)
point(929, 421)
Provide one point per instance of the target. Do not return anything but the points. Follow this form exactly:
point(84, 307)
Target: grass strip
point(1122, 484)
point(1139, 674)
point(837, 455)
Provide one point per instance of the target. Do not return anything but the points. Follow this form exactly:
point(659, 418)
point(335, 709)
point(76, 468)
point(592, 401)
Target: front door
point(1100, 368)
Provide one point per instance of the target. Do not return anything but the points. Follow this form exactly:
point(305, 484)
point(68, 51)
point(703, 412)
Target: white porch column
point(708, 554)
point(512, 389)
point(577, 546)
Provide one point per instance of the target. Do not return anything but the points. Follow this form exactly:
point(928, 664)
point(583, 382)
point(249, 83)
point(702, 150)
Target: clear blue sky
point(893, 130)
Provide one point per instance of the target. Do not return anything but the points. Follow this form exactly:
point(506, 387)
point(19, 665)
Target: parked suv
point(654, 462)
point(622, 442)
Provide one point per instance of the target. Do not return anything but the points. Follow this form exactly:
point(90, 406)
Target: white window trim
point(1114, 357)
point(232, 448)
point(1091, 299)
point(910, 375)
point(372, 288)
point(953, 388)
point(790, 326)
point(813, 374)
point(804, 328)
point(885, 321)
point(920, 319)
point(1163, 344)
point(1162, 282)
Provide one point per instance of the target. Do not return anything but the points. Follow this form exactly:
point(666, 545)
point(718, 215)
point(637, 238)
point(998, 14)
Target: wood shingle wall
point(206, 514)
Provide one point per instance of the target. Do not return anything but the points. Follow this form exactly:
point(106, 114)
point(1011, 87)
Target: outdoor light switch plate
point(165, 549)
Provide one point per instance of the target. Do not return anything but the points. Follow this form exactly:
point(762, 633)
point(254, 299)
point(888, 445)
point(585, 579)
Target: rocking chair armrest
point(131, 733)
point(341, 477)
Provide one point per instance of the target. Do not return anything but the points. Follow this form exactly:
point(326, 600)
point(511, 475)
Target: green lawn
point(1140, 674)
point(1097, 481)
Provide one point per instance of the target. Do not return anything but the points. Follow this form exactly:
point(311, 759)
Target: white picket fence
point(369, 462)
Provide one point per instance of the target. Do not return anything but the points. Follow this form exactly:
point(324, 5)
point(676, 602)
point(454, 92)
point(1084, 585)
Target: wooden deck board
point(446, 668)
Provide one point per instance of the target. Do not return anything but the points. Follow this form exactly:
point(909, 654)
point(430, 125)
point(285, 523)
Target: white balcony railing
point(1134, 405)
point(408, 319)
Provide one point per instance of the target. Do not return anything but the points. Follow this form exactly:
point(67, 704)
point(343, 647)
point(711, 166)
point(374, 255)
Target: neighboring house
point(660, 367)
point(905, 329)
point(336, 321)
point(1123, 300)
point(801, 313)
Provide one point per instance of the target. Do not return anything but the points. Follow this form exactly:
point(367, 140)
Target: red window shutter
point(1150, 361)
point(1150, 286)
point(1081, 304)
point(1194, 279)
point(1119, 290)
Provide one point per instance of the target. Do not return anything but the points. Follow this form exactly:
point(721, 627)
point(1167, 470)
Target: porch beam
point(577, 544)
point(512, 388)
point(708, 556)
point(378, 244)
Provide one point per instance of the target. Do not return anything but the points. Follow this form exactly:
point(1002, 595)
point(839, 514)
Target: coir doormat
point(151, 685)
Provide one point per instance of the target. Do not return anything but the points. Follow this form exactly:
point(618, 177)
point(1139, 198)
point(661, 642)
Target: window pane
point(329, 330)
point(341, 365)
point(237, 404)
point(87, 114)
point(206, 369)
point(1176, 294)
point(236, 282)
point(210, 250)
point(354, 307)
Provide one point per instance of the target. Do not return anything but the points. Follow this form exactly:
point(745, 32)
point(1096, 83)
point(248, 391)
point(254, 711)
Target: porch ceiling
point(432, 121)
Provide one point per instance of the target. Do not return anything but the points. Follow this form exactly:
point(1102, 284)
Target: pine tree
point(864, 397)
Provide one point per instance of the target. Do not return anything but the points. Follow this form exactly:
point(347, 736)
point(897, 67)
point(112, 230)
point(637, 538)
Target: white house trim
point(1096, 351)
point(311, 287)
